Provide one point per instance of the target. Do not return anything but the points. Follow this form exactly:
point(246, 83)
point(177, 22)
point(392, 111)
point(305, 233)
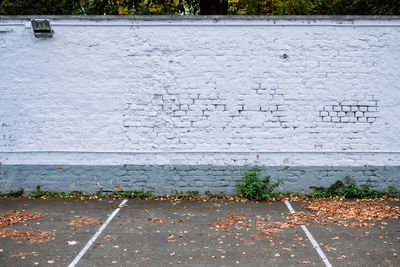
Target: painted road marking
point(311, 238)
point(96, 235)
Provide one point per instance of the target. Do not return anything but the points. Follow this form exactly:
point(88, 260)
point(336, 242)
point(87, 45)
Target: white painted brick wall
point(200, 85)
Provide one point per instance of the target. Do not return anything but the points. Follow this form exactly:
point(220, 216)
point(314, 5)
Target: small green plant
point(187, 194)
point(334, 189)
point(39, 193)
point(215, 195)
point(76, 193)
point(143, 194)
point(130, 194)
point(254, 187)
point(100, 193)
point(392, 191)
point(290, 194)
point(17, 193)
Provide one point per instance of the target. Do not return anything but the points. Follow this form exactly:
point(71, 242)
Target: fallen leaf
point(156, 220)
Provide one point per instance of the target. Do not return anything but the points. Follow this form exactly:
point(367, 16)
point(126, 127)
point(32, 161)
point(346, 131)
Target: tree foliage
point(214, 7)
point(314, 7)
point(99, 7)
point(38, 7)
point(195, 7)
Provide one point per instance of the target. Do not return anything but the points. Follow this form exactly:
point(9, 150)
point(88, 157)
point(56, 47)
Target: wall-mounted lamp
point(42, 28)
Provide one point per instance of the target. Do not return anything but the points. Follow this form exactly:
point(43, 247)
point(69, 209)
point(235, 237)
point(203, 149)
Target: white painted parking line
point(96, 235)
point(311, 238)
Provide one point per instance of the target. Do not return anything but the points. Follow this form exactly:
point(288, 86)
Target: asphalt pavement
point(189, 232)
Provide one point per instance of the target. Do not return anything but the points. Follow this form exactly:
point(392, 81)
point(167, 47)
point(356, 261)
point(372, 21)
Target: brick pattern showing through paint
point(272, 101)
point(200, 111)
point(351, 111)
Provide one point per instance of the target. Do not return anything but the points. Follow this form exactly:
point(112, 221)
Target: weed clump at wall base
point(349, 189)
point(38, 193)
point(254, 187)
point(141, 194)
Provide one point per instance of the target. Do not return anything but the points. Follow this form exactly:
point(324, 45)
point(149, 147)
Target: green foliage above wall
point(314, 7)
point(192, 7)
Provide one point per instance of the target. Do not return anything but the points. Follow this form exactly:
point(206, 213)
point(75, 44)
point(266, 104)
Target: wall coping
point(392, 21)
point(152, 18)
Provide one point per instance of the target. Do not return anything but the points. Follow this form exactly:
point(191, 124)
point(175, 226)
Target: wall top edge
point(201, 152)
point(228, 17)
point(202, 18)
point(138, 21)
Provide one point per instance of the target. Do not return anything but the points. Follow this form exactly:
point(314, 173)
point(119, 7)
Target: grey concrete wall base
point(164, 179)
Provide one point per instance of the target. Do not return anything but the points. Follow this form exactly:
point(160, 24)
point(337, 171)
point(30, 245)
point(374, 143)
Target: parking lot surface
point(187, 232)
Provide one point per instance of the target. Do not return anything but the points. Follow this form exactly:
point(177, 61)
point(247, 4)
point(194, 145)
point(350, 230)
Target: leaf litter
point(38, 236)
point(80, 222)
point(352, 214)
point(17, 216)
point(23, 255)
point(232, 220)
point(20, 216)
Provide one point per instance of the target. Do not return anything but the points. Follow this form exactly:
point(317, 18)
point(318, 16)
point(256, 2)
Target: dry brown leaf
point(156, 220)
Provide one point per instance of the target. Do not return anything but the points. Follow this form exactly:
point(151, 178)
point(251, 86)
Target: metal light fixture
point(42, 28)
